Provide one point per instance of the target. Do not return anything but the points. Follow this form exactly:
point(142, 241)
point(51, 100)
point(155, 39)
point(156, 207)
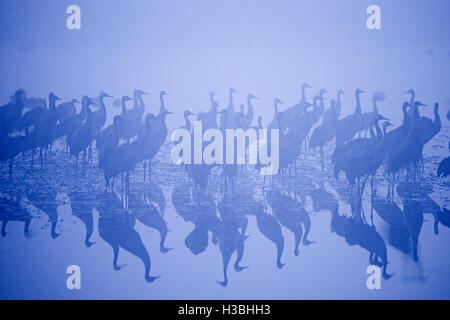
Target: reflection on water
point(301, 233)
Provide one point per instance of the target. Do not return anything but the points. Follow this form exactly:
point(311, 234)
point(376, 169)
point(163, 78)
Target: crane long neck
point(379, 132)
point(52, 105)
point(358, 104)
point(321, 105)
point(384, 131)
point(413, 98)
point(303, 100)
point(188, 125)
point(163, 106)
point(372, 133)
point(415, 114)
point(138, 101)
point(437, 118)
point(405, 114)
point(141, 102)
point(230, 104)
point(213, 103)
point(84, 106)
point(124, 107)
point(20, 103)
point(102, 103)
point(275, 110)
point(223, 120)
point(250, 106)
point(339, 98)
point(375, 107)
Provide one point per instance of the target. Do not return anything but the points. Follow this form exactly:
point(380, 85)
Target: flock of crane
point(361, 147)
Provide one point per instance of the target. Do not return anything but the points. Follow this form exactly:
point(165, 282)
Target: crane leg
point(322, 160)
point(90, 153)
point(127, 190)
point(11, 164)
point(145, 170)
point(122, 187)
point(84, 160)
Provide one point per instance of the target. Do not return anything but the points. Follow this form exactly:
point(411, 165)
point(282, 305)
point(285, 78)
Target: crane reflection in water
point(86, 174)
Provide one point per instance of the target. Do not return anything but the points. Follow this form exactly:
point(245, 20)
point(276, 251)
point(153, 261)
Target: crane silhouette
point(12, 210)
point(290, 114)
point(98, 119)
point(82, 138)
point(333, 114)
point(108, 140)
point(356, 232)
point(133, 119)
point(149, 216)
point(410, 149)
point(325, 132)
point(209, 119)
point(154, 137)
point(271, 229)
point(368, 117)
point(350, 125)
point(11, 113)
point(116, 227)
point(67, 127)
point(274, 123)
point(43, 134)
point(429, 128)
point(414, 221)
point(291, 214)
point(361, 158)
point(198, 172)
point(230, 119)
point(34, 117)
point(10, 147)
point(66, 109)
point(244, 121)
point(444, 166)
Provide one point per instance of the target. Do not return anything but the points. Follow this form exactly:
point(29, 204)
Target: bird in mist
point(43, 134)
point(350, 125)
point(444, 166)
point(11, 113)
point(66, 109)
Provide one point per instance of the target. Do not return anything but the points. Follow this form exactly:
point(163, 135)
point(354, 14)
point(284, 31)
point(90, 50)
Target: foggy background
point(188, 48)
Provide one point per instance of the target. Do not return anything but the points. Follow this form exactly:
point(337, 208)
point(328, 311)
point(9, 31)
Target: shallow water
point(35, 266)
